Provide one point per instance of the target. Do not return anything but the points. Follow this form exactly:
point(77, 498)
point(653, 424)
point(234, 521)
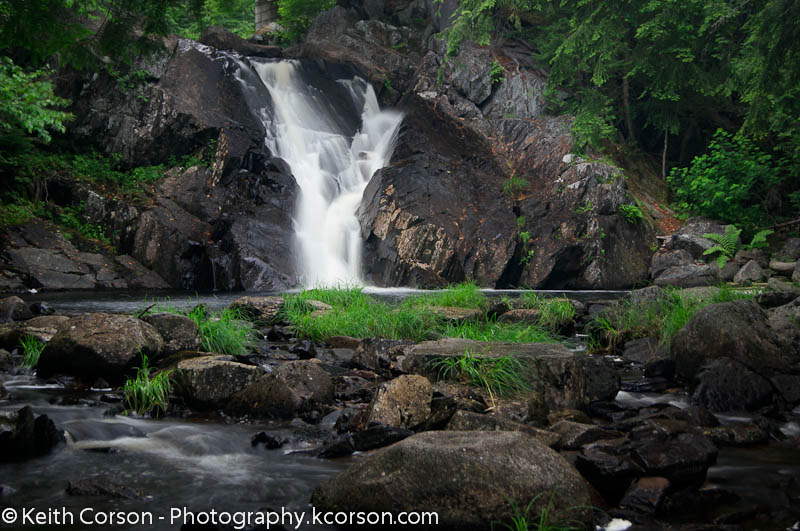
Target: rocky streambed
point(684, 435)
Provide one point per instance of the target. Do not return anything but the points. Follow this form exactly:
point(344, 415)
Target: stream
point(203, 464)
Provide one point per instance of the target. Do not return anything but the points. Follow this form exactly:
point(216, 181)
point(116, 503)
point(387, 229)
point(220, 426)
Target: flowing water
point(331, 164)
point(173, 464)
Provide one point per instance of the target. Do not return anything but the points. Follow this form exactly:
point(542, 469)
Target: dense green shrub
point(728, 182)
point(296, 15)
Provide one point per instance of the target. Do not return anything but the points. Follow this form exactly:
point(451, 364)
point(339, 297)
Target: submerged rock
point(99, 345)
point(102, 487)
point(14, 309)
point(24, 436)
point(468, 478)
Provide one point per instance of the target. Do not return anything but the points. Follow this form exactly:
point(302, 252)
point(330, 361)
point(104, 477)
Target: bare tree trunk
point(664, 155)
point(626, 104)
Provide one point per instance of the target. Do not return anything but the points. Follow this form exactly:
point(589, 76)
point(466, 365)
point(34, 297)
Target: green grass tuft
point(225, 331)
point(660, 318)
point(356, 314)
point(32, 348)
point(499, 376)
point(555, 313)
point(464, 295)
point(145, 394)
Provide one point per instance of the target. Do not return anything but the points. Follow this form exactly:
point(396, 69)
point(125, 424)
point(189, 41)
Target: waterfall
point(331, 164)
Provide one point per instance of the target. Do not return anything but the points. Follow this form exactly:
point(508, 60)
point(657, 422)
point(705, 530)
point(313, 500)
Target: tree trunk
point(664, 156)
point(626, 104)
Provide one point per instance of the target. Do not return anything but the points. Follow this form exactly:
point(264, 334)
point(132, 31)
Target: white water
point(331, 168)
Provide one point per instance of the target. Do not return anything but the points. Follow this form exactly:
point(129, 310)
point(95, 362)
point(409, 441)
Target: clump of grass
point(494, 331)
point(31, 350)
point(660, 318)
point(555, 313)
point(357, 314)
point(464, 295)
point(225, 332)
point(499, 376)
point(521, 521)
point(145, 394)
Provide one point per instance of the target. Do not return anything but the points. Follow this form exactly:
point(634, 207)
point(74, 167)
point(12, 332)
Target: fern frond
point(727, 243)
point(759, 240)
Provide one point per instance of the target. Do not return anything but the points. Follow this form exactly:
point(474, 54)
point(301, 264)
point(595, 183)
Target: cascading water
point(331, 166)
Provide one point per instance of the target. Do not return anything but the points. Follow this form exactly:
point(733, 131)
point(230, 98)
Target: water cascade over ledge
point(331, 161)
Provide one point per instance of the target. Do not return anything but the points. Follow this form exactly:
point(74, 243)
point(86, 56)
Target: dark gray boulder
point(178, 331)
point(24, 436)
point(211, 381)
point(99, 345)
point(468, 478)
point(295, 387)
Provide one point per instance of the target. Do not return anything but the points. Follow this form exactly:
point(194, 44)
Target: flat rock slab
point(553, 373)
point(470, 421)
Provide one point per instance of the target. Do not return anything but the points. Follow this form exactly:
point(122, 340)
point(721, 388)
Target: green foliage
point(224, 332)
point(632, 213)
point(28, 106)
point(584, 209)
point(759, 240)
point(497, 72)
point(521, 521)
point(464, 295)
point(660, 318)
point(18, 212)
point(188, 19)
point(145, 394)
point(31, 350)
point(728, 243)
point(527, 253)
point(555, 313)
point(498, 376)
point(514, 185)
point(356, 314)
point(490, 330)
point(728, 182)
point(296, 15)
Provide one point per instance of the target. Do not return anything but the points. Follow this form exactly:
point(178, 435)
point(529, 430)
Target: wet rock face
point(296, 387)
point(211, 381)
point(404, 402)
point(440, 214)
point(24, 435)
point(449, 471)
point(99, 345)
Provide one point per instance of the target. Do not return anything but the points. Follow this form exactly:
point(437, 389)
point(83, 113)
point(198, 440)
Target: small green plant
point(584, 209)
point(144, 394)
point(520, 223)
point(759, 240)
point(223, 332)
point(463, 295)
point(726, 244)
point(521, 521)
point(497, 72)
point(555, 313)
point(31, 350)
point(514, 185)
point(527, 253)
point(632, 213)
point(498, 376)
point(387, 84)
